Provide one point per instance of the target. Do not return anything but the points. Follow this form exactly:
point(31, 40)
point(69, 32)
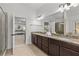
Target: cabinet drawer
point(68, 52)
point(53, 41)
point(44, 38)
point(46, 41)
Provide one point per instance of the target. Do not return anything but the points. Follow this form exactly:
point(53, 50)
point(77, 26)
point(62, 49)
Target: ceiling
point(37, 8)
point(42, 8)
point(47, 9)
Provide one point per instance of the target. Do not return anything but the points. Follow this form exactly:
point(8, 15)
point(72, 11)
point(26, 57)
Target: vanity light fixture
point(66, 6)
point(61, 9)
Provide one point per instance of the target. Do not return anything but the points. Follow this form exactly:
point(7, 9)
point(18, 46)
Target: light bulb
point(61, 9)
point(66, 7)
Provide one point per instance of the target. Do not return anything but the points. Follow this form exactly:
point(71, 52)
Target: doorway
point(19, 32)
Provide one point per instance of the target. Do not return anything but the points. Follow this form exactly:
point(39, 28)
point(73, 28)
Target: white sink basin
point(48, 33)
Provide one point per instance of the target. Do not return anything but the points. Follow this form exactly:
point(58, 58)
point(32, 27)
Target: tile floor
point(19, 39)
point(28, 50)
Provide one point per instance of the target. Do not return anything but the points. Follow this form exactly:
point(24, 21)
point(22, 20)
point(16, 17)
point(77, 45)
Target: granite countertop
point(61, 38)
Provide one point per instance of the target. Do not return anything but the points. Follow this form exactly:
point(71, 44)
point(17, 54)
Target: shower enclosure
point(2, 32)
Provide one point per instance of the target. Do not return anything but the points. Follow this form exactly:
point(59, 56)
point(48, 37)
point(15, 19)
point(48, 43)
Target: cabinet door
point(39, 41)
point(36, 40)
point(32, 38)
point(45, 45)
point(68, 52)
point(53, 48)
point(45, 49)
point(45, 41)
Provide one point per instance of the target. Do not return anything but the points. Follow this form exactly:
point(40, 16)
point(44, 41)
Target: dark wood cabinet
point(45, 49)
point(45, 44)
point(39, 42)
point(68, 52)
point(53, 47)
point(34, 39)
point(45, 41)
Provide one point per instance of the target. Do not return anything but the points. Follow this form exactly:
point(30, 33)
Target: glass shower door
point(2, 32)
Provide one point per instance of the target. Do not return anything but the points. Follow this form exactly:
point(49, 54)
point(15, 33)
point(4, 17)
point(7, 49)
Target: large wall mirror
point(46, 26)
point(77, 27)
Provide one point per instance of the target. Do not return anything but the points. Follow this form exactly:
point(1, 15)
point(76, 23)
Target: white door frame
point(13, 32)
point(13, 40)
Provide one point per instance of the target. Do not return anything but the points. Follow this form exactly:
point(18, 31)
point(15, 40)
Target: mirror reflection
point(77, 27)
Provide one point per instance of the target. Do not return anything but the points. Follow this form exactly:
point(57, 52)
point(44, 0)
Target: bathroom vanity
point(56, 45)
